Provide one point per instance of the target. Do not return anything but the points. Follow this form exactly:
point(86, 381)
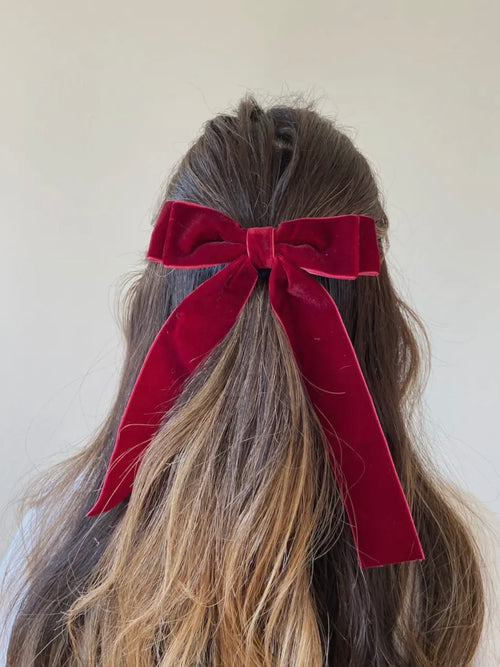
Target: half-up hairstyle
point(234, 548)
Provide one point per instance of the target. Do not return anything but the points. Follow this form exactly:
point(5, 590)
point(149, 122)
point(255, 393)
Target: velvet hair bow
point(189, 235)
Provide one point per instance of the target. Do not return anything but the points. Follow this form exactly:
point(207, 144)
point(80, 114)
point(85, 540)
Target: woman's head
point(234, 547)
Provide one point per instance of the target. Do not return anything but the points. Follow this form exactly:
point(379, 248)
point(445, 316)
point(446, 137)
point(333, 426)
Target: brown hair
point(234, 548)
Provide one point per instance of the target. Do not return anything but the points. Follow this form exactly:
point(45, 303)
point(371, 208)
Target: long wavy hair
point(234, 548)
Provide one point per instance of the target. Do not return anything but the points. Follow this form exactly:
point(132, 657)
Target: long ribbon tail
point(194, 328)
point(381, 521)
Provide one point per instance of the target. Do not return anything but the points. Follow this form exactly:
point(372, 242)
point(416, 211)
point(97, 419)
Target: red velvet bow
point(189, 235)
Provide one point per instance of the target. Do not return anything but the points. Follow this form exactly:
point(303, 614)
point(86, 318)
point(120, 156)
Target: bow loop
point(343, 246)
point(182, 238)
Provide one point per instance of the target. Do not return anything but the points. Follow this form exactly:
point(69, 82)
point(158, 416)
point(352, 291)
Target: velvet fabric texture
point(189, 235)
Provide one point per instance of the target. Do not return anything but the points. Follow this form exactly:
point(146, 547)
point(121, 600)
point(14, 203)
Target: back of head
point(234, 547)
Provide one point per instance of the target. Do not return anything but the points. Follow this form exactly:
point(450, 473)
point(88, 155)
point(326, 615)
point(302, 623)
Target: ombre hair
point(234, 548)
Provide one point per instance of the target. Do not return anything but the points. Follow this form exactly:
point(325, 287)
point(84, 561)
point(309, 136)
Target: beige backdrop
point(99, 99)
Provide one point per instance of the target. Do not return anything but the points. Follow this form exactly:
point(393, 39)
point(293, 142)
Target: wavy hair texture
point(234, 548)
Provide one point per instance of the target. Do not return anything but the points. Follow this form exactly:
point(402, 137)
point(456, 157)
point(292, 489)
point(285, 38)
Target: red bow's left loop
point(188, 235)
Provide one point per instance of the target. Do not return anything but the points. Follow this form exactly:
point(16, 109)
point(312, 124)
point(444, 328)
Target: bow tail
point(381, 522)
point(193, 329)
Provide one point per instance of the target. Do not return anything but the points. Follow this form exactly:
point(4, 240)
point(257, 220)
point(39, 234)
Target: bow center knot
point(260, 246)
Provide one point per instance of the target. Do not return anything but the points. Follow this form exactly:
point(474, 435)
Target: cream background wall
point(99, 99)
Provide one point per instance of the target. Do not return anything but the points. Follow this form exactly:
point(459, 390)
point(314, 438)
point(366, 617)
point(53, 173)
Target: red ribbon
point(189, 235)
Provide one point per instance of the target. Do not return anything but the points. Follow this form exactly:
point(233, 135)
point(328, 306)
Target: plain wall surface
point(100, 99)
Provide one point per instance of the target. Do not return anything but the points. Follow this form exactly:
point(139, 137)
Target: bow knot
point(260, 246)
